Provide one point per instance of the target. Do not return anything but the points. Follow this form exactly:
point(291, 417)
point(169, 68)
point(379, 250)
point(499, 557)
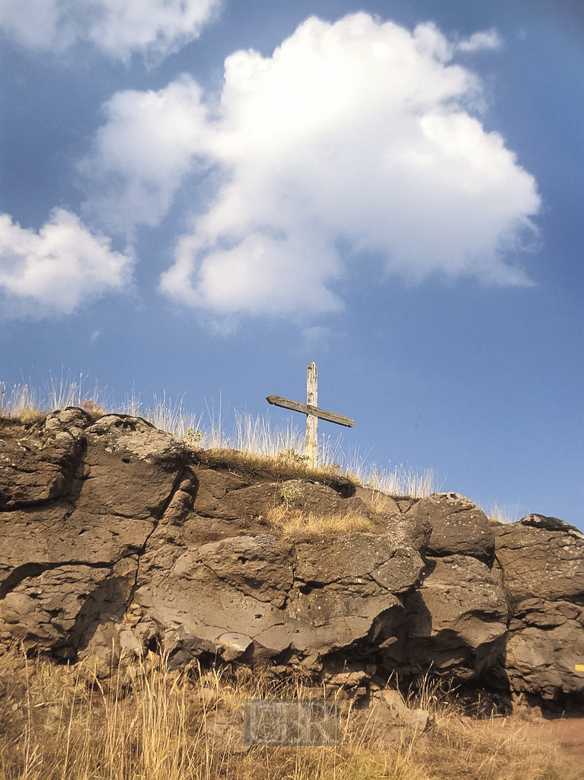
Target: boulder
point(541, 558)
point(69, 551)
point(251, 502)
point(311, 497)
point(212, 488)
point(408, 531)
point(377, 502)
point(457, 619)
point(354, 557)
point(259, 566)
point(139, 464)
point(60, 608)
point(37, 469)
point(542, 564)
point(315, 596)
point(546, 643)
point(459, 527)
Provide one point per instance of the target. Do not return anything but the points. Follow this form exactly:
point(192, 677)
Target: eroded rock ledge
point(115, 538)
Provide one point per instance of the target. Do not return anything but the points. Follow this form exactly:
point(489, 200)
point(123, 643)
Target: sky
point(200, 197)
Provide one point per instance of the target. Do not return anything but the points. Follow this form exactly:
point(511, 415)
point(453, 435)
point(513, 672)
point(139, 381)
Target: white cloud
point(58, 268)
point(140, 155)
point(261, 274)
point(358, 134)
point(155, 28)
point(486, 39)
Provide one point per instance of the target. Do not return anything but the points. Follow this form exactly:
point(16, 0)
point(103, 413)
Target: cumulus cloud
point(58, 268)
point(155, 28)
point(353, 138)
point(259, 274)
point(140, 155)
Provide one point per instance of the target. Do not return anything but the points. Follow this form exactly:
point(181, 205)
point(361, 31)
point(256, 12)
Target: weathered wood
point(311, 418)
point(295, 406)
point(312, 412)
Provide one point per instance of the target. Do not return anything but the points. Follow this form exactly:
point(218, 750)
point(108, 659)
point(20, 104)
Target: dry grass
point(503, 513)
point(145, 722)
point(461, 749)
point(401, 481)
point(276, 469)
point(23, 398)
point(296, 524)
point(257, 441)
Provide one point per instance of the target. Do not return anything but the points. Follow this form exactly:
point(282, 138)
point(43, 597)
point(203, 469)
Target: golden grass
point(503, 513)
point(297, 524)
point(278, 468)
point(145, 722)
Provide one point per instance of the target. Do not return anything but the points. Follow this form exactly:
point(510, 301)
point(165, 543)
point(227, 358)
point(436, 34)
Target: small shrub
point(290, 454)
point(192, 437)
point(291, 493)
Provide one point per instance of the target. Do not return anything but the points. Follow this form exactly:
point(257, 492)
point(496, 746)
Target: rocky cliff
point(116, 538)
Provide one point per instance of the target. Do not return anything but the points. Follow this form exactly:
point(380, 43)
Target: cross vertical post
point(312, 419)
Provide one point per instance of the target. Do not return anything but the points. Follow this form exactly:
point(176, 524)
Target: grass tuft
point(503, 514)
point(297, 524)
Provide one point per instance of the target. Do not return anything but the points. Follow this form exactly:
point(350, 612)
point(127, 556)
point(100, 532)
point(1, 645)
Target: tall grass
point(257, 436)
point(23, 398)
point(144, 722)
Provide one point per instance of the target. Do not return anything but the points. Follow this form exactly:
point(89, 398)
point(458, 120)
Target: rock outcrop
point(542, 564)
point(116, 538)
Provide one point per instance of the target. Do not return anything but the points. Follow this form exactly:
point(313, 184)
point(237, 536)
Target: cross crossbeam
point(323, 414)
point(312, 412)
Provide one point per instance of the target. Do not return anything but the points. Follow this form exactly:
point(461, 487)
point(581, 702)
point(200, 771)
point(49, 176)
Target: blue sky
point(201, 197)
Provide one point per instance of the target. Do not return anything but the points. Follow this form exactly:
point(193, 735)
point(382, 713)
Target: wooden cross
point(312, 412)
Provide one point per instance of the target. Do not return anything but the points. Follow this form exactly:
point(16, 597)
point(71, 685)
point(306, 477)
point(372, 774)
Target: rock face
point(70, 548)
point(542, 562)
point(116, 538)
